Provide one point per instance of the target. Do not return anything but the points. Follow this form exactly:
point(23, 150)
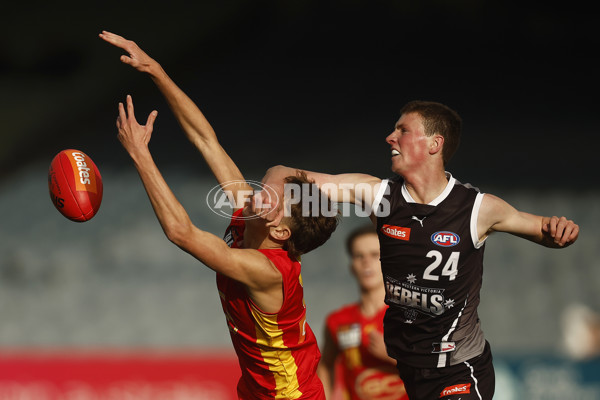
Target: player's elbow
point(178, 231)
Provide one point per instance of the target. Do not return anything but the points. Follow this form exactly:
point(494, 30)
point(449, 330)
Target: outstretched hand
point(561, 231)
point(132, 135)
point(136, 57)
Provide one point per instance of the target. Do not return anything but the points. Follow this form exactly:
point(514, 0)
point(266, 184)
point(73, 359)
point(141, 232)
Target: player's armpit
point(247, 266)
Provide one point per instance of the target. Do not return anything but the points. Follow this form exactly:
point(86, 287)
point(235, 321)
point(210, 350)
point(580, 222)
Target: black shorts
point(469, 380)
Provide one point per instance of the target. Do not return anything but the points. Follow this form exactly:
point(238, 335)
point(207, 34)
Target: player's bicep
point(247, 266)
point(359, 189)
point(227, 174)
point(496, 215)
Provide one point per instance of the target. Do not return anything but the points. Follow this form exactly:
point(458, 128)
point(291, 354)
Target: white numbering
point(450, 268)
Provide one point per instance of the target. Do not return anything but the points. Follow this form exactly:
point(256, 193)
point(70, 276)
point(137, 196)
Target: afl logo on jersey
point(445, 238)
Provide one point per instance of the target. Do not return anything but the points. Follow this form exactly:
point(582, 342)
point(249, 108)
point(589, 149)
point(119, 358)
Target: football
point(75, 185)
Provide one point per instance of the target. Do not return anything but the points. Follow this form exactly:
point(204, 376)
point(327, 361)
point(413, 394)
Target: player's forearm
point(171, 215)
point(351, 188)
point(196, 127)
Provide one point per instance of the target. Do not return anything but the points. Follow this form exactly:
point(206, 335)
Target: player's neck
point(371, 301)
point(426, 187)
point(260, 239)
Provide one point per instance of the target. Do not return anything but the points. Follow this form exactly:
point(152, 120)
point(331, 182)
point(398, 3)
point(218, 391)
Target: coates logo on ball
point(75, 185)
point(224, 199)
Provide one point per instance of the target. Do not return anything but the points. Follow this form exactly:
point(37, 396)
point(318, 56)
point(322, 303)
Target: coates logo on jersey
point(445, 238)
point(396, 232)
point(463, 388)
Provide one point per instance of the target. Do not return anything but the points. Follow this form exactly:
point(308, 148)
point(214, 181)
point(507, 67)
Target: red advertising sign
point(118, 376)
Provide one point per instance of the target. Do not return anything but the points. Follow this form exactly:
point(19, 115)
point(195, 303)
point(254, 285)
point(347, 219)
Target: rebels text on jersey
point(432, 264)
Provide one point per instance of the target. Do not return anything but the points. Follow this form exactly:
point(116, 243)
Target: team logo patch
point(349, 336)
point(445, 238)
point(443, 347)
point(396, 232)
point(463, 388)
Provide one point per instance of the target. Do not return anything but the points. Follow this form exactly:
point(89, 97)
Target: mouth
point(395, 152)
point(367, 272)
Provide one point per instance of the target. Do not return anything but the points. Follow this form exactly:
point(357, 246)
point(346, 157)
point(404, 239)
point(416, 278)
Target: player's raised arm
point(496, 215)
point(196, 127)
point(354, 188)
point(247, 266)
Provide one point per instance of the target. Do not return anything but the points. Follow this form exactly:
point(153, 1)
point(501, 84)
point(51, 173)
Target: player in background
point(258, 269)
point(432, 231)
point(354, 333)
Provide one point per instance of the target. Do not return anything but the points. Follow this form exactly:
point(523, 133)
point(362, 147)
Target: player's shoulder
point(393, 184)
point(394, 180)
point(465, 186)
point(281, 259)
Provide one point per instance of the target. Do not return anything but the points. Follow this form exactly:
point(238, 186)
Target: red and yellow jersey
point(365, 377)
point(277, 353)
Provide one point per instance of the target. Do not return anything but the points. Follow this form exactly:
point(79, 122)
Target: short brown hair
point(308, 232)
point(368, 229)
point(438, 118)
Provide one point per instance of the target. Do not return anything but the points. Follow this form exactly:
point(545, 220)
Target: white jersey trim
point(474, 379)
point(442, 196)
point(474, 217)
point(443, 356)
point(379, 196)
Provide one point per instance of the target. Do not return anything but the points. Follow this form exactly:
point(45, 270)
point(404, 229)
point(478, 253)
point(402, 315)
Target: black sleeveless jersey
point(432, 265)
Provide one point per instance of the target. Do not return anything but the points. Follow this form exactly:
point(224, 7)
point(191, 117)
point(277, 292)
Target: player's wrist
point(140, 155)
point(156, 71)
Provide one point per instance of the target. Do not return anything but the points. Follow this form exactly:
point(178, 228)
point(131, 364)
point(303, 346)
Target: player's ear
point(281, 232)
point(436, 143)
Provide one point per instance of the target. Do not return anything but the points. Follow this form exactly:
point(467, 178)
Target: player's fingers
point(130, 112)
point(112, 38)
point(276, 218)
point(109, 35)
point(151, 119)
point(553, 223)
point(574, 234)
point(127, 60)
point(570, 233)
point(561, 231)
point(122, 115)
point(545, 228)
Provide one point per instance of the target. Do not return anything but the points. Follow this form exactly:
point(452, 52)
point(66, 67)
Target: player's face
point(262, 205)
point(366, 266)
point(409, 144)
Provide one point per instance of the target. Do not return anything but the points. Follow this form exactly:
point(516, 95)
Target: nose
point(391, 138)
